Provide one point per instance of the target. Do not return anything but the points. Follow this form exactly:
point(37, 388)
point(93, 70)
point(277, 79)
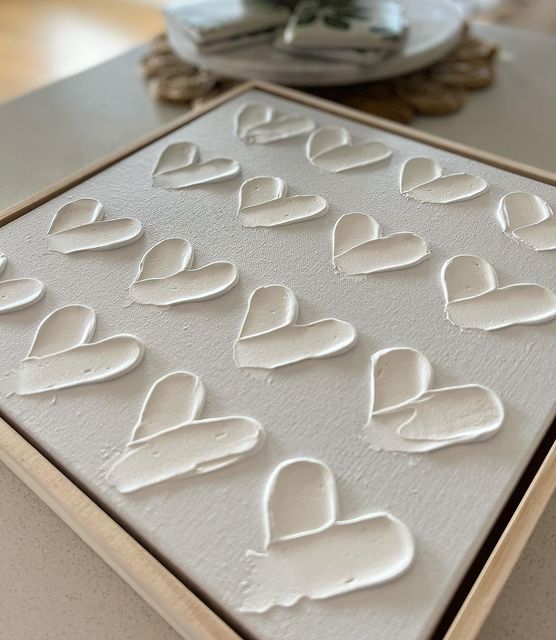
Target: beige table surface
point(52, 586)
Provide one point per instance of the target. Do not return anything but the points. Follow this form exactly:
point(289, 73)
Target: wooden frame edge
point(180, 607)
point(486, 589)
point(167, 595)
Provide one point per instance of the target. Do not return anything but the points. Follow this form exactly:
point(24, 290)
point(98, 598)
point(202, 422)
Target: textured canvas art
point(305, 359)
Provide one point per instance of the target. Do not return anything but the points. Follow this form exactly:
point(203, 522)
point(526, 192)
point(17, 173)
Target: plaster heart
point(178, 167)
point(170, 440)
point(263, 203)
point(79, 226)
point(529, 219)
point(474, 300)
point(309, 552)
point(407, 414)
point(360, 248)
point(270, 336)
point(422, 180)
point(18, 293)
point(258, 124)
point(62, 354)
point(331, 149)
point(166, 278)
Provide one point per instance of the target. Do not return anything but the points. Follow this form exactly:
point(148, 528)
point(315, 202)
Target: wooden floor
point(45, 40)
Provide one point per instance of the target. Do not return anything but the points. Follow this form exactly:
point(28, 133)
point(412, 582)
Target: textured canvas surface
point(204, 525)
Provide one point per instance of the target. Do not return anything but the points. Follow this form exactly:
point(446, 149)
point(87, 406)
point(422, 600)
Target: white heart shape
point(360, 248)
point(166, 278)
point(79, 226)
point(422, 180)
point(263, 203)
point(474, 300)
point(249, 115)
point(257, 124)
point(171, 441)
point(407, 415)
point(529, 219)
point(331, 149)
point(61, 355)
point(309, 552)
point(270, 338)
point(18, 293)
point(178, 167)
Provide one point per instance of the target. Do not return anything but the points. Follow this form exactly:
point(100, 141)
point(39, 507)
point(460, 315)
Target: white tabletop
point(52, 585)
point(515, 117)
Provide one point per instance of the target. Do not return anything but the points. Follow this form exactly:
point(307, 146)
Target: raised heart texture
point(80, 226)
point(62, 354)
point(407, 414)
point(309, 552)
point(179, 167)
point(422, 180)
point(529, 219)
point(18, 293)
point(170, 440)
point(475, 301)
point(270, 336)
point(331, 149)
point(258, 124)
point(360, 248)
point(166, 278)
point(263, 202)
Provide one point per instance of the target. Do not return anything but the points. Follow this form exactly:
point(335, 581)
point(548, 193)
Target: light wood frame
point(170, 597)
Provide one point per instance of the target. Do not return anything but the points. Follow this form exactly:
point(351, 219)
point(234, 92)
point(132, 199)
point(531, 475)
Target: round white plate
point(435, 28)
